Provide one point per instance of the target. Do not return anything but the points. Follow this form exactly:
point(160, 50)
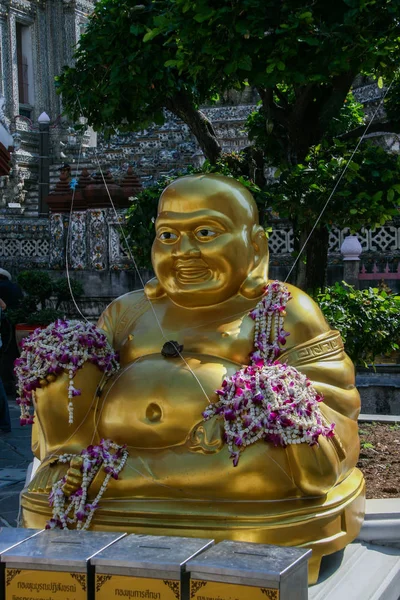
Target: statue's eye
point(168, 236)
point(203, 234)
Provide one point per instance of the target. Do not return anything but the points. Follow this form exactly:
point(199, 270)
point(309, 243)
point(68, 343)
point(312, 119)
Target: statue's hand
point(48, 379)
point(74, 476)
point(46, 476)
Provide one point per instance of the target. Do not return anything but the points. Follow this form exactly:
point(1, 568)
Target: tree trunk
point(299, 276)
point(182, 106)
point(317, 260)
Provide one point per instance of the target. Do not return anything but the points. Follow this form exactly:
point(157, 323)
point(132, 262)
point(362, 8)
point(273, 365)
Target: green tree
point(367, 196)
point(123, 77)
point(137, 59)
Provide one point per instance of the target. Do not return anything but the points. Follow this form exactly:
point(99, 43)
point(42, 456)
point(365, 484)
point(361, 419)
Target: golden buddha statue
point(210, 257)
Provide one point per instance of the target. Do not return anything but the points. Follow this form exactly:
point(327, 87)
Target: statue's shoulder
point(121, 313)
point(304, 320)
point(127, 300)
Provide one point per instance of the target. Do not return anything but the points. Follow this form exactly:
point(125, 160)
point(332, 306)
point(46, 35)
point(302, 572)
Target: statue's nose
point(187, 246)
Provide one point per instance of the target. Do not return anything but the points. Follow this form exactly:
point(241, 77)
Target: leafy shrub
point(62, 291)
point(37, 284)
point(368, 320)
point(38, 306)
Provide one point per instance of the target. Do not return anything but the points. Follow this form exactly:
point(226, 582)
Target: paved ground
point(15, 456)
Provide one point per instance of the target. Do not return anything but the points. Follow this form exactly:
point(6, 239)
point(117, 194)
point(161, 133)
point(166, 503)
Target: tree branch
point(387, 127)
point(183, 107)
point(330, 108)
point(271, 110)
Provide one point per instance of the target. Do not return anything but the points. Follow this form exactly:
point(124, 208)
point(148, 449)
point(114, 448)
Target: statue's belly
point(156, 401)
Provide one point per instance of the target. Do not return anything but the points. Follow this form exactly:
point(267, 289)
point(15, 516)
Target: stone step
point(382, 522)
point(361, 572)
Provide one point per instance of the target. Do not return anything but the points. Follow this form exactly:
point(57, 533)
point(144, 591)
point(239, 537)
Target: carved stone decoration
point(84, 179)
point(97, 193)
point(3, 120)
point(57, 241)
point(98, 240)
point(131, 184)
point(384, 239)
point(116, 249)
point(351, 248)
point(278, 241)
point(334, 239)
point(77, 241)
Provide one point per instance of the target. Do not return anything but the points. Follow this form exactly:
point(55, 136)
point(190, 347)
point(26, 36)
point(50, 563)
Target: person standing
point(5, 421)
point(11, 294)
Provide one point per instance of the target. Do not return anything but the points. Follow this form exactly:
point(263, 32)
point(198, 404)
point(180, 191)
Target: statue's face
point(203, 250)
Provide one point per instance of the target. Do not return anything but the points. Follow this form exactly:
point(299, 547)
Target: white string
point(339, 180)
point(67, 249)
point(142, 282)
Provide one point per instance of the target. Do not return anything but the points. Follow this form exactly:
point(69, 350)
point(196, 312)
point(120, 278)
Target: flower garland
point(267, 399)
point(74, 509)
point(271, 310)
point(62, 346)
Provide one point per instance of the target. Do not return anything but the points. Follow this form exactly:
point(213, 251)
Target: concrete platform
point(368, 569)
point(361, 572)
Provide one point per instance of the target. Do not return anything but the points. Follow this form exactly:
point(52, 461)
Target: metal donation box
point(10, 537)
point(244, 571)
point(53, 565)
point(146, 566)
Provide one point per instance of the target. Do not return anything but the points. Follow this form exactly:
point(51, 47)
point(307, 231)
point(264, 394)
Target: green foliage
point(367, 446)
point(392, 101)
point(267, 42)
point(136, 57)
point(368, 320)
point(124, 74)
point(367, 196)
point(62, 290)
point(37, 284)
point(264, 135)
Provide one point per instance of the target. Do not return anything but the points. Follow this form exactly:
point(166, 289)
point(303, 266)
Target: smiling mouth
point(192, 272)
point(193, 275)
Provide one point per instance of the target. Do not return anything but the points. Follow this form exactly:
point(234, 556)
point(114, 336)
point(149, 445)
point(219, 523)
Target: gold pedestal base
point(325, 525)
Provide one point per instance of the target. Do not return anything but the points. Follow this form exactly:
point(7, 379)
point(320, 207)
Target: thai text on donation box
point(54, 565)
point(146, 566)
point(10, 537)
point(246, 571)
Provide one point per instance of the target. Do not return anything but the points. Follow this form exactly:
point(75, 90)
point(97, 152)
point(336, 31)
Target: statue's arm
point(119, 317)
point(317, 351)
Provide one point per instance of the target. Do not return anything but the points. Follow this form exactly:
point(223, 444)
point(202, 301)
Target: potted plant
point(45, 300)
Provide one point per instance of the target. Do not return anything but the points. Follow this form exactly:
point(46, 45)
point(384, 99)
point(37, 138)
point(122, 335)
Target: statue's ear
point(254, 284)
point(153, 289)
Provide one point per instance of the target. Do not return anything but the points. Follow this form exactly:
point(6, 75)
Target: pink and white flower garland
point(269, 400)
point(62, 346)
point(269, 314)
point(75, 510)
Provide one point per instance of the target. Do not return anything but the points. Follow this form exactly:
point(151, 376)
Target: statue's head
point(209, 245)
